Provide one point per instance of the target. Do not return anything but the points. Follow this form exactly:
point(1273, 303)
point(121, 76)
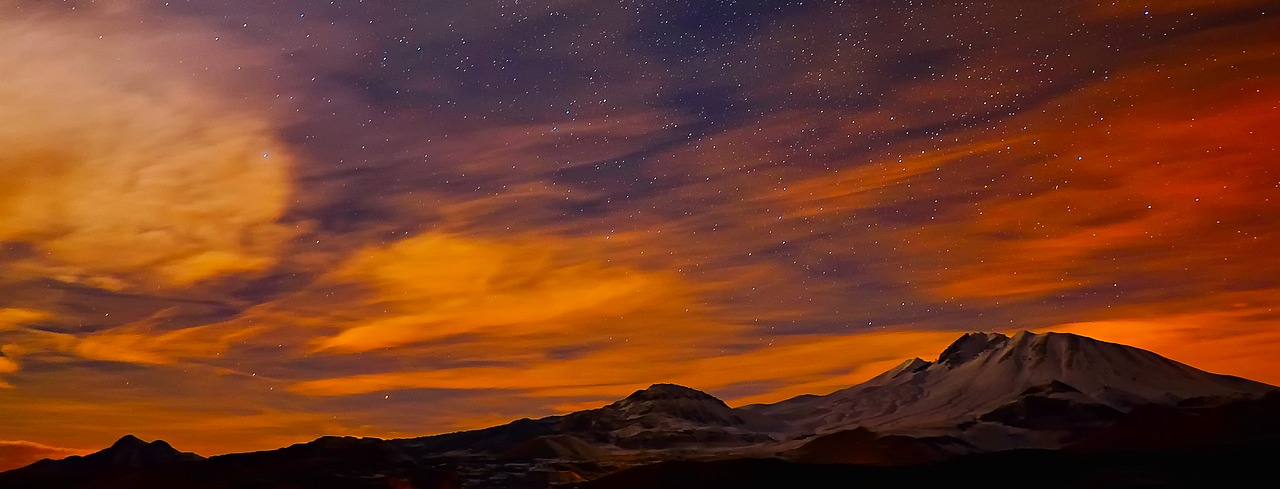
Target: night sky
point(239, 224)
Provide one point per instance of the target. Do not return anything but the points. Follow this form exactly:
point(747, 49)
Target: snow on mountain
point(674, 405)
point(983, 372)
point(666, 415)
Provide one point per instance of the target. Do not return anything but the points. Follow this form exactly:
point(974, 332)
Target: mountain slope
point(660, 417)
point(668, 415)
point(999, 376)
point(126, 454)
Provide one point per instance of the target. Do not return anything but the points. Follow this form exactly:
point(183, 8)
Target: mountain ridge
point(982, 372)
point(985, 392)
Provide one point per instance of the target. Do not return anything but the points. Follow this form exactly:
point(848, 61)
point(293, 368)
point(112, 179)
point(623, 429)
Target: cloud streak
point(17, 453)
point(120, 171)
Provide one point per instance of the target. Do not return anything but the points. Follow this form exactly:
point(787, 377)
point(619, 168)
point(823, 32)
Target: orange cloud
point(434, 286)
point(17, 453)
point(141, 345)
point(143, 342)
point(13, 317)
point(864, 186)
point(1114, 170)
point(794, 365)
point(952, 181)
point(119, 169)
point(7, 366)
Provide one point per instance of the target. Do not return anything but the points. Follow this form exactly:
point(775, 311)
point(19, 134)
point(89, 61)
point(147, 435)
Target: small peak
point(969, 346)
point(132, 452)
point(657, 392)
point(910, 366)
point(662, 401)
point(129, 441)
point(1027, 336)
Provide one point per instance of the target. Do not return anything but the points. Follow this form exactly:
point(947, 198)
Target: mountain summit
point(662, 392)
point(678, 402)
point(127, 453)
point(131, 452)
point(984, 377)
point(669, 415)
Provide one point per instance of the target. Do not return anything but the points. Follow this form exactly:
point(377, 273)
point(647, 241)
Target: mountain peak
point(969, 346)
point(675, 402)
point(131, 451)
point(665, 392)
point(132, 444)
point(906, 368)
point(981, 373)
point(128, 442)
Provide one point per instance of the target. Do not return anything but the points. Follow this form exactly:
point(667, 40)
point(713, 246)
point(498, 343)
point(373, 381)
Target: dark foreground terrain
point(1252, 467)
point(1238, 467)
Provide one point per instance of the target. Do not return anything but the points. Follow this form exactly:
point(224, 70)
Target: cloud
point(11, 317)
point(783, 367)
point(503, 246)
point(17, 453)
point(7, 366)
point(122, 167)
point(1112, 186)
point(143, 345)
point(551, 317)
point(435, 286)
point(148, 341)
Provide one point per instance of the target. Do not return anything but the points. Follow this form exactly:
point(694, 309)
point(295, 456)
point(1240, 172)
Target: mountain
point(1112, 411)
point(661, 417)
point(126, 454)
point(668, 416)
point(1005, 392)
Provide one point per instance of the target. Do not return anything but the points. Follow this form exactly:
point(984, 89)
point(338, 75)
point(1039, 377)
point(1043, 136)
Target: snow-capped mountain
point(660, 417)
point(1017, 382)
point(666, 413)
point(986, 392)
point(990, 390)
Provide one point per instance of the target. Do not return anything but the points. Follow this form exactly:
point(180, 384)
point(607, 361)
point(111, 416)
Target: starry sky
point(236, 225)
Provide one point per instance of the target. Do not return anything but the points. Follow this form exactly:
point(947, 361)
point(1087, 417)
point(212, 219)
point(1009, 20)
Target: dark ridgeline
point(1048, 410)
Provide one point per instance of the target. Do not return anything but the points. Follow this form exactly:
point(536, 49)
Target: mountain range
point(1057, 400)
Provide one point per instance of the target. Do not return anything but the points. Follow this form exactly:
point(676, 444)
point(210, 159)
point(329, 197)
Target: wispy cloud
point(17, 453)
